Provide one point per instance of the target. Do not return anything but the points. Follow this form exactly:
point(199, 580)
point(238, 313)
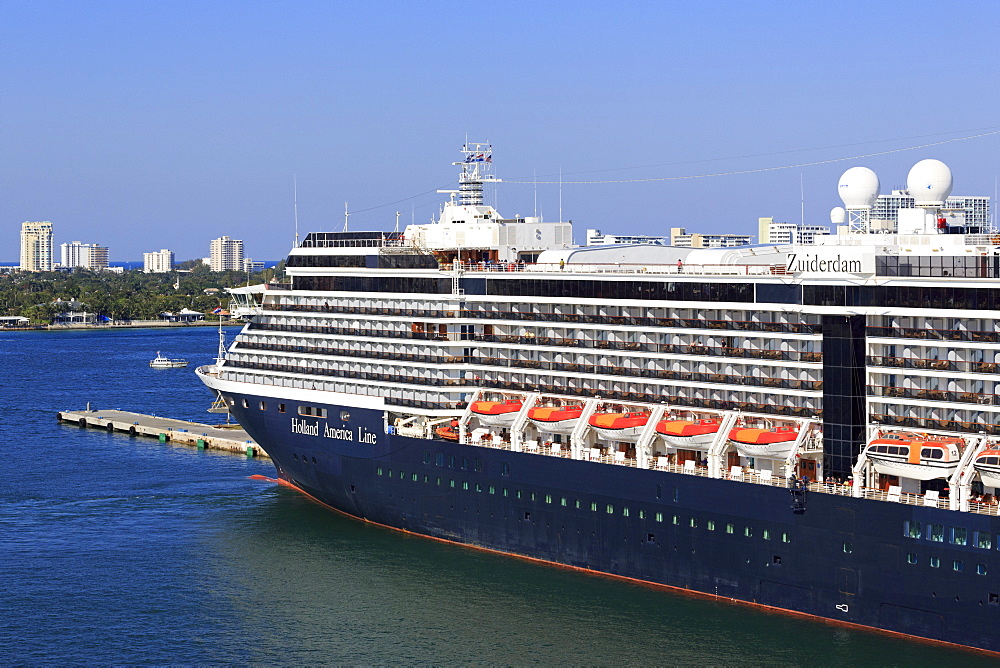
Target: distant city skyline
point(196, 120)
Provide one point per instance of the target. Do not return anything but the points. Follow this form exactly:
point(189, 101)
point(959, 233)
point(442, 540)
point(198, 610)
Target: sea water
point(123, 550)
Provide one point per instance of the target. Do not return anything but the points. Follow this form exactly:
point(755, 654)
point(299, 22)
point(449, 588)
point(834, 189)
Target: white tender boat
point(161, 362)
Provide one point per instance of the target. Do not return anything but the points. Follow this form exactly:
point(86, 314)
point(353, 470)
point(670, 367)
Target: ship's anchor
point(798, 488)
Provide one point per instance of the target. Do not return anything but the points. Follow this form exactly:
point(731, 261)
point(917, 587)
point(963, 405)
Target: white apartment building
point(159, 262)
point(770, 232)
point(595, 238)
point(886, 209)
point(84, 256)
point(226, 254)
point(680, 237)
point(36, 246)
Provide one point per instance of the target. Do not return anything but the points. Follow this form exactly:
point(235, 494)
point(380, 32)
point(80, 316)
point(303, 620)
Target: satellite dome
point(837, 215)
point(859, 188)
point(929, 182)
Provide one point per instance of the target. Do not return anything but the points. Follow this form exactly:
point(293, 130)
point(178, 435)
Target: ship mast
point(477, 169)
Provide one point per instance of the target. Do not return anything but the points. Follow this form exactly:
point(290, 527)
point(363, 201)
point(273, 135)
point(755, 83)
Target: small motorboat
point(685, 433)
point(774, 443)
point(555, 419)
point(988, 467)
point(161, 362)
point(619, 426)
point(496, 413)
point(915, 456)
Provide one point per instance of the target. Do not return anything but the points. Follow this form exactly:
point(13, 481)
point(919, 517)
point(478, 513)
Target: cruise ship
point(807, 428)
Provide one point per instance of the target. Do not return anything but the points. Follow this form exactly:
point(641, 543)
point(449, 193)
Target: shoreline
point(134, 324)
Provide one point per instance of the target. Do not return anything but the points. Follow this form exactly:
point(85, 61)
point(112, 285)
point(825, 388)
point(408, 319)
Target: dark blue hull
point(845, 559)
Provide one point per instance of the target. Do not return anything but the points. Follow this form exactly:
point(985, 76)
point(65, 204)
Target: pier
point(167, 430)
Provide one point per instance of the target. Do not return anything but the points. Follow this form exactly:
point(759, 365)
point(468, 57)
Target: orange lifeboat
point(774, 443)
point(915, 456)
point(496, 413)
point(619, 426)
point(988, 466)
point(685, 433)
point(555, 419)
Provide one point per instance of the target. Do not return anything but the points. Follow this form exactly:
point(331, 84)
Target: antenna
point(397, 221)
point(802, 193)
point(534, 179)
point(295, 206)
point(346, 216)
point(560, 193)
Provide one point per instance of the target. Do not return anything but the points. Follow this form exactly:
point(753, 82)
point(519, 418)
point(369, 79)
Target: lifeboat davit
point(555, 419)
point(496, 413)
point(685, 433)
point(619, 426)
point(988, 466)
point(774, 443)
point(915, 456)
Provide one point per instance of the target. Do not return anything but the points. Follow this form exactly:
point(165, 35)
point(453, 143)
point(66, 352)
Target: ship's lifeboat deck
point(555, 413)
point(687, 427)
point(496, 407)
point(763, 436)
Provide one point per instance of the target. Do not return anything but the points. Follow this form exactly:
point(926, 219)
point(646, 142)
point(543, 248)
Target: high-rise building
point(977, 209)
point(226, 254)
point(158, 263)
point(679, 237)
point(36, 246)
point(770, 232)
point(84, 256)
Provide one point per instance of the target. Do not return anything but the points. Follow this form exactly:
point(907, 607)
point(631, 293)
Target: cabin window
point(518, 494)
point(437, 481)
point(659, 491)
point(578, 504)
point(548, 498)
point(427, 479)
point(312, 411)
point(982, 539)
point(245, 404)
point(379, 470)
point(439, 459)
point(413, 477)
point(562, 501)
point(451, 482)
point(911, 529)
point(281, 408)
point(693, 523)
point(766, 534)
point(785, 538)
point(479, 487)
point(390, 473)
point(610, 509)
point(465, 463)
point(848, 548)
point(958, 536)
point(593, 506)
point(263, 405)
point(505, 492)
point(911, 557)
point(710, 525)
point(730, 528)
point(532, 496)
point(957, 565)
point(935, 562)
point(624, 512)
point(451, 461)
point(935, 533)
point(675, 519)
point(659, 517)
point(642, 514)
point(504, 468)
point(980, 569)
point(402, 475)
point(493, 489)
point(748, 532)
point(427, 458)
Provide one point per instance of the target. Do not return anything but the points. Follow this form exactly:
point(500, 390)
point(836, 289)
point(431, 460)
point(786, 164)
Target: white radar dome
point(837, 215)
point(859, 188)
point(929, 182)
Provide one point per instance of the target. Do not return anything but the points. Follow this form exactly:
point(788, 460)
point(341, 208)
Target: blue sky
point(147, 125)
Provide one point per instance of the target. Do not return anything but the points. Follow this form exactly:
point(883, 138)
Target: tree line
point(131, 295)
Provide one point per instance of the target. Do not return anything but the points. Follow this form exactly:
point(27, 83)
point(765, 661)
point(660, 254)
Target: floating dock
point(215, 437)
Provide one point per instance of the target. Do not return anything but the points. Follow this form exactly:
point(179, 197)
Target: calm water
point(122, 550)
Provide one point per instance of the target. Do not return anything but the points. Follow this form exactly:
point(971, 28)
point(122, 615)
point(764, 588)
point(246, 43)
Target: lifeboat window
point(785, 538)
point(957, 565)
point(980, 569)
point(983, 539)
point(935, 533)
point(659, 517)
point(911, 557)
point(958, 536)
point(730, 528)
point(912, 529)
point(710, 525)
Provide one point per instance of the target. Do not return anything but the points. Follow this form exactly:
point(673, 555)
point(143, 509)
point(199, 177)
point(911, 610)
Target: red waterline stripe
point(644, 583)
